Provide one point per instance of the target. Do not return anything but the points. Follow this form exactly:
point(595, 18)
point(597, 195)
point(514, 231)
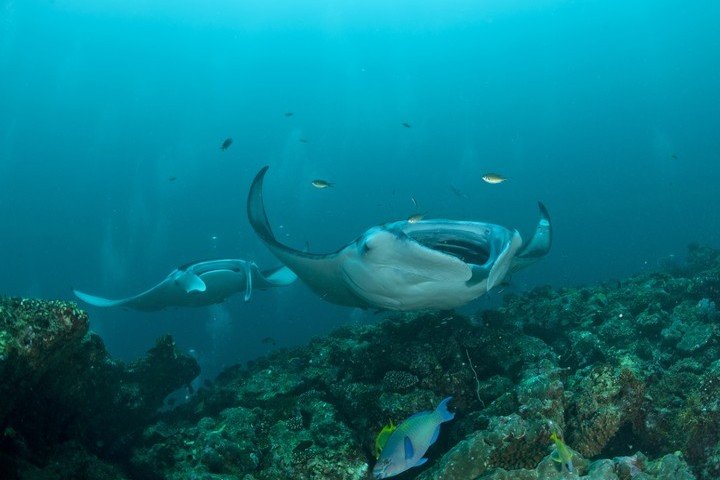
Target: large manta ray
point(198, 284)
point(430, 264)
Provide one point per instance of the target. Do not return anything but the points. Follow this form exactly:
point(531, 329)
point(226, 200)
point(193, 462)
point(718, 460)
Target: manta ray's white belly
point(219, 285)
point(400, 274)
point(394, 289)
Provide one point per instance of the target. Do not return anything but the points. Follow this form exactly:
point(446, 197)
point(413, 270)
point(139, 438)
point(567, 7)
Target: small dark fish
point(296, 362)
point(303, 445)
point(406, 125)
point(317, 183)
point(172, 179)
point(670, 263)
point(289, 114)
point(674, 156)
point(226, 144)
point(458, 193)
point(503, 285)
point(269, 341)
point(303, 140)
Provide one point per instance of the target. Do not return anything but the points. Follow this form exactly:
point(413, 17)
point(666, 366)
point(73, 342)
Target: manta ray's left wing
point(322, 273)
point(98, 301)
point(158, 297)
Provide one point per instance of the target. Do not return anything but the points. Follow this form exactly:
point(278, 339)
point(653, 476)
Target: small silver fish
point(415, 217)
point(317, 183)
point(414, 202)
point(493, 178)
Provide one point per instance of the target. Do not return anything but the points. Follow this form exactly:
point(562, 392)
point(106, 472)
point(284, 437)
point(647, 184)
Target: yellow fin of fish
point(383, 436)
point(561, 453)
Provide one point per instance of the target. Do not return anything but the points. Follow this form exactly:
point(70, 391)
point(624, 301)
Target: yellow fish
point(317, 183)
point(383, 436)
point(493, 178)
point(562, 453)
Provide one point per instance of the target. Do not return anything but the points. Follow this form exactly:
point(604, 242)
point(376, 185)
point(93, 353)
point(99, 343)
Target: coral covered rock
point(57, 382)
point(615, 370)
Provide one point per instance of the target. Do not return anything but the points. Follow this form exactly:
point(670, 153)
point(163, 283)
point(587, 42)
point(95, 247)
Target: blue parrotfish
point(406, 446)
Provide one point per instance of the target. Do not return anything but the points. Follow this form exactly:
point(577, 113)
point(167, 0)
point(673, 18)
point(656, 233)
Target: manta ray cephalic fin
point(504, 260)
point(280, 276)
point(248, 281)
point(191, 282)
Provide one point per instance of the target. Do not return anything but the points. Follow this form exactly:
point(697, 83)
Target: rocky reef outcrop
point(628, 372)
point(625, 370)
point(64, 403)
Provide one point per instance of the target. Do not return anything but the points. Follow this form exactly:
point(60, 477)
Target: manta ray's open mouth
point(466, 251)
point(463, 245)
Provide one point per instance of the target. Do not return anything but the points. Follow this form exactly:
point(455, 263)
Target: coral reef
point(62, 397)
point(627, 372)
point(619, 468)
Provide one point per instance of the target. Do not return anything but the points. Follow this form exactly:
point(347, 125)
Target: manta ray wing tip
point(543, 210)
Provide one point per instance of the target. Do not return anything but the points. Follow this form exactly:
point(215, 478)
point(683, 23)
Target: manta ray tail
point(280, 277)
point(97, 301)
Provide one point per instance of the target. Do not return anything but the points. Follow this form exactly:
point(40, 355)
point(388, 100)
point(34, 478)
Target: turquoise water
point(605, 111)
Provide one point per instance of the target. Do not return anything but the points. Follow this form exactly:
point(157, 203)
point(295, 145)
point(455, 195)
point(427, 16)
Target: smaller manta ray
point(199, 284)
point(408, 265)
